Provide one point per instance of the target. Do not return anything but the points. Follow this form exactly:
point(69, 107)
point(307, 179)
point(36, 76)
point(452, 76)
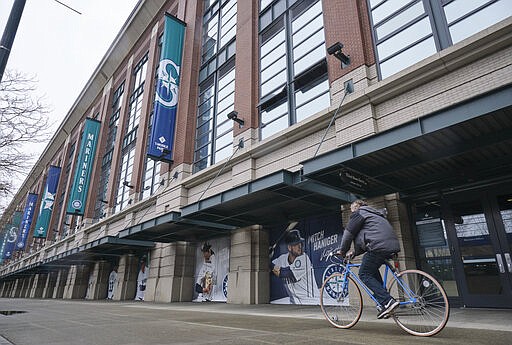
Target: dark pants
point(370, 275)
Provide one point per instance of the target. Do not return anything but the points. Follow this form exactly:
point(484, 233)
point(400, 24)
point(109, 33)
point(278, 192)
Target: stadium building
point(214, 135)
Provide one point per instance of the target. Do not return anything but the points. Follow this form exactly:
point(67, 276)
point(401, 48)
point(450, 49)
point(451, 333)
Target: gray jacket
point(370, 231)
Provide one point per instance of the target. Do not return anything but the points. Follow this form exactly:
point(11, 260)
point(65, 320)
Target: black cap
point(207, 247)
point(293, 237)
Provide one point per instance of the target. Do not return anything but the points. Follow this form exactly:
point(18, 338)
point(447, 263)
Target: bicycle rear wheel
point(428, 314)
point(341, 301)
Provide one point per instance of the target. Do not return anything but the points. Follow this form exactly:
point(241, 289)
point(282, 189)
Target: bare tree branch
point(24, 121)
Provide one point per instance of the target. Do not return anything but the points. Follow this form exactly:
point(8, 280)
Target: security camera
point(335, 50)
point(234, 116)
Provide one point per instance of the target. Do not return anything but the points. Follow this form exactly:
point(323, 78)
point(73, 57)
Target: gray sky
point(62, 48)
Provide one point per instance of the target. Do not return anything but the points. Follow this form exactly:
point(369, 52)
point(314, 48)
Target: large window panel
point(400, 20)
point(405, 32)
point(291, 73)
point(276, 68)
point(479, 20)
point(275, 126)
point(271, 44)
point(413, 33)
point(385, 9)
point(408, 57)
point(275, 83)
point(309, 59)
point(214, 132)
point(228, 23)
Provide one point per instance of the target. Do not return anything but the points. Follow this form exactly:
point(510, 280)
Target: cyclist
point(373, 235)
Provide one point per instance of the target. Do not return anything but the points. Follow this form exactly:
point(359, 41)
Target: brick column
point(76, 285)
point(49, 285)
point(171, 273)
point(38, 285)
point(60, 283)
point(126, 278)
point(248, 279)
point(98, 281)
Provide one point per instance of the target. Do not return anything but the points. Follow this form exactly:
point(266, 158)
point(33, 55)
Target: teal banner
point(4, 242)
point(161, 142)
point(45, 211)
point(78, 196)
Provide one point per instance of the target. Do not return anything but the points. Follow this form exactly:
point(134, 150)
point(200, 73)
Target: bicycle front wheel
point(424, 309)
point(341, 301)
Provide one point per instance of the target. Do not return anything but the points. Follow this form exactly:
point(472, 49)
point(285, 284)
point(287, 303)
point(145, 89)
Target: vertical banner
point(166, 98)
point(298, 259)
point(45, 211)
point(4, 242)
point(212, 268)
point(12, 235)
point(26, 221)
point(78, 195)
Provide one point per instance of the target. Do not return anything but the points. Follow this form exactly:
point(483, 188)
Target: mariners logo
point(167, 90)
point(12, 235)
point(334, 287)
point(77, 204)
point(225, 286)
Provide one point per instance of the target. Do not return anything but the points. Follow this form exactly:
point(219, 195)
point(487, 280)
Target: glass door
point(480, 229)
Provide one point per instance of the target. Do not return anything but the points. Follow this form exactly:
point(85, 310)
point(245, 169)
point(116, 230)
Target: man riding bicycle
point(373, 235)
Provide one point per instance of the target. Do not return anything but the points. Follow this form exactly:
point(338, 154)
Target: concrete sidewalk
point(80, 322)
point(473, 318)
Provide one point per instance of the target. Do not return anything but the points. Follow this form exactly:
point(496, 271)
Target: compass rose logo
point(168, 76)
point(12, 235)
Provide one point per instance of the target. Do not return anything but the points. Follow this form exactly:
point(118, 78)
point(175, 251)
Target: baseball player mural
point(212, 271)
point(142, 278)
point(112, 282)
point(297, 259)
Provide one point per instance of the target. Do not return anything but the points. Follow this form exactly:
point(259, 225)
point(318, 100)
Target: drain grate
point(11, 312)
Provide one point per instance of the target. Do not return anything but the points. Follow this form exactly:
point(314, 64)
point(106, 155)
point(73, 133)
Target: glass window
point(101, 200)
point(264, 3)
point(217, 87)
point(386, 9)
point(457, 9)
point(400, 20)
point(479, 20)
point(404, 33)
point(275, 126)
point(408, 57)
point(303, 26)
point(404, 38)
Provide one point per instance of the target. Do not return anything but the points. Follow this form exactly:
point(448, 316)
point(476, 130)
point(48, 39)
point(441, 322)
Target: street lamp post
point(10, 33)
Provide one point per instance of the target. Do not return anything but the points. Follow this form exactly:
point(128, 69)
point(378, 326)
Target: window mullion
point(290, 70)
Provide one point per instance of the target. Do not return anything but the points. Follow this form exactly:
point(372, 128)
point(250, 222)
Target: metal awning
point(101, 248)
point(466, 144)
point(172, 227)
point(272, 199)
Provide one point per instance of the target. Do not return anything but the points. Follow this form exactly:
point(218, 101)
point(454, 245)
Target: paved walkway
point(474, 318)
point(79, 322)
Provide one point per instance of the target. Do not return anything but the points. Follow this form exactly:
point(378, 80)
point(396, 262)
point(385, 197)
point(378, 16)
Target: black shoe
point(388, 308)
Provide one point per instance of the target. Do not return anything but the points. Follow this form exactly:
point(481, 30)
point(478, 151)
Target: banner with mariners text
point(78, 196)
point(161, 142)
point(26, 221)
point(12, 235)
point(45, 210)
point(298, 258)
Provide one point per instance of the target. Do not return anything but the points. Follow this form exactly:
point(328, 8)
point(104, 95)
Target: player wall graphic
point(297, 258)
point(212, 267)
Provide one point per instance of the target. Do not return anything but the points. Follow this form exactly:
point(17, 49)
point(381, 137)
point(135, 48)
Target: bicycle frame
point(347, 271)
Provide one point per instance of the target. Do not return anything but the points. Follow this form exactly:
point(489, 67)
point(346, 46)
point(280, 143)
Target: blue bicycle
point(423, 309)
